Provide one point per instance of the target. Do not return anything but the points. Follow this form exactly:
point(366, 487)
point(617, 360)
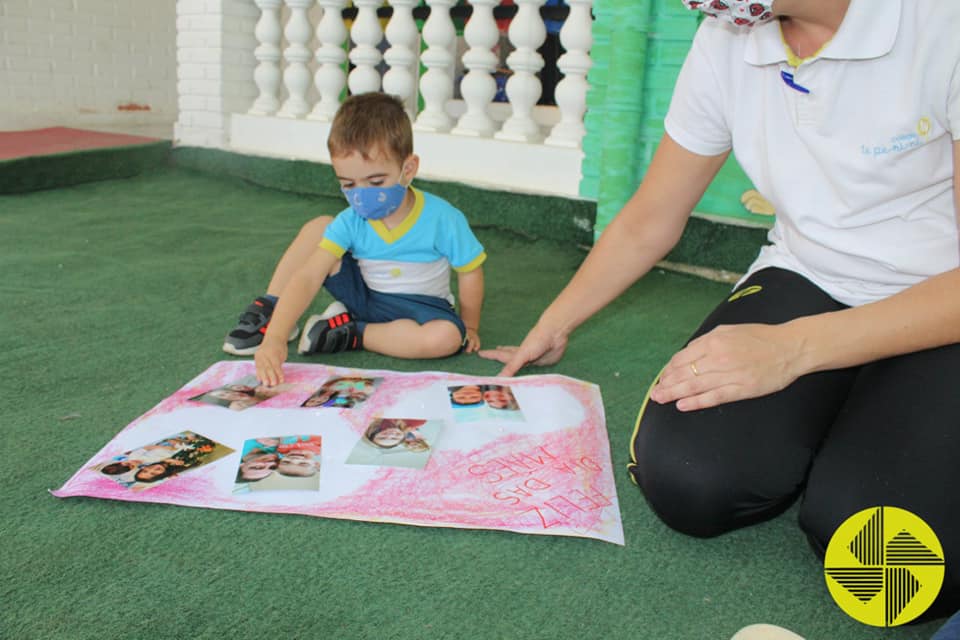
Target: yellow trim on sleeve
point(473, 264)
point(392, 235)
point(332, 247)
point(636, 426)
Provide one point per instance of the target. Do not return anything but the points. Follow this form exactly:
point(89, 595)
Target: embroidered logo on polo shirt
point(896, 144)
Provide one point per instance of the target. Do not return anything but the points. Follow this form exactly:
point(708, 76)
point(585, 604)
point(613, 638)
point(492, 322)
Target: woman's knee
point(703, 482)
point(695, 503)
point(689, 491)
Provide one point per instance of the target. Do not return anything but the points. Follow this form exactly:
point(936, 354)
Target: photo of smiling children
point(151, 464)
point(283, 463)
point(477, 402)
point(242, 394)
point(343, 392)
point(396, 442)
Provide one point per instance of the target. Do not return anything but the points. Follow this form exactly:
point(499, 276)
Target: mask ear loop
point(403, 169)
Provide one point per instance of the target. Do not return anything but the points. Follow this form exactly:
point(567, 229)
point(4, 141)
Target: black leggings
point(886, 433)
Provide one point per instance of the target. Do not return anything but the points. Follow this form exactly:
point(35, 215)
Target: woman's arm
point(924, 316)
point(642, 233)
point(751, 360)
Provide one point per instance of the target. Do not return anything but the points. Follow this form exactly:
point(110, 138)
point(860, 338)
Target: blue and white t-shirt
point(414, 257)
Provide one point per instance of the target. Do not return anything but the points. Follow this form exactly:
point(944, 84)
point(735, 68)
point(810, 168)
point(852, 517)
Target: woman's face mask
point(743, 13)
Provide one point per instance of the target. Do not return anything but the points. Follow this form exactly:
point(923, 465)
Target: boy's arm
point(470, 284)
point(294, 299)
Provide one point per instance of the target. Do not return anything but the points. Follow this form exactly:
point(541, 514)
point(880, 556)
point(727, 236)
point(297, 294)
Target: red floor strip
point(41, 142)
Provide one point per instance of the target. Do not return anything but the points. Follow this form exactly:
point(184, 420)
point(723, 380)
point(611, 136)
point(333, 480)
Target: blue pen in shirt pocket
point(788, 80)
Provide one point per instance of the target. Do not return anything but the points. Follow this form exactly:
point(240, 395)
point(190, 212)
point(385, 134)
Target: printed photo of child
point(153, 463)
point(396, 442)
point(501, 403)
point(476, 402)
point(242, 394)
point(343, 392)
point(284, 463)
point(467, 402)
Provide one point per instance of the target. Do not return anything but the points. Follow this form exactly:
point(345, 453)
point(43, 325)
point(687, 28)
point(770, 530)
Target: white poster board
point(527, 454)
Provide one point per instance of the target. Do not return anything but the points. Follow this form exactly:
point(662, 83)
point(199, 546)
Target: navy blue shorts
point(367, 305)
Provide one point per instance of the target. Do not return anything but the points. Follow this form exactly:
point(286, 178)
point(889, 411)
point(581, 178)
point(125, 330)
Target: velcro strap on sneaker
point(341, 335)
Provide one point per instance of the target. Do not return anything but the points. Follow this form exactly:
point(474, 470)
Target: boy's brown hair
point(371, 123)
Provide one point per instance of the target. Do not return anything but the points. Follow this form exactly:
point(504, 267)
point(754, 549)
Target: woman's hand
point(540, 347)
point(731, 362)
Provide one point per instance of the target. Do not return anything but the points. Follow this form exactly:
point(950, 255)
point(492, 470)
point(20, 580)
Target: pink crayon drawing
point(534, 459)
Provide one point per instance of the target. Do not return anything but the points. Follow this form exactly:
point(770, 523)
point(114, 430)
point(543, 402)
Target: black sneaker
point(246, 337)
point(332, 331)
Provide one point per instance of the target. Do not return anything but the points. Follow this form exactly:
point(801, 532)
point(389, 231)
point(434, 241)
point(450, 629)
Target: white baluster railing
point(436, 85)
point(330, 78)
point(576, 36)
point(296, 75)
point(527, 33)
point(267, 53)
point(466, 139)
point(478, 86)
point(401, 78)
point(366, 34)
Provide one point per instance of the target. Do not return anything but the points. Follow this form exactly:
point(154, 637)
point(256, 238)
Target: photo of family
point(396, 442)
point(284, 463)
point(343, 392)
point(242, 394)
point(151, 464)
point(475, 402)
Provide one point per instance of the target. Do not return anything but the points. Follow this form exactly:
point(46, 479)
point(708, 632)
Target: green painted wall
point(639, 47)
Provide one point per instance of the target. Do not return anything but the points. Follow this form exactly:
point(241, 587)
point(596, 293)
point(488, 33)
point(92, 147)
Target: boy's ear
point(410, 168)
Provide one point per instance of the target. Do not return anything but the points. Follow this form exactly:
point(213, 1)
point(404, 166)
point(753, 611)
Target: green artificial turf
point(116, 293)
point(31, 173)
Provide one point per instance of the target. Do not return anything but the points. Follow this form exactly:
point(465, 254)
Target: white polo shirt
point(860, 167)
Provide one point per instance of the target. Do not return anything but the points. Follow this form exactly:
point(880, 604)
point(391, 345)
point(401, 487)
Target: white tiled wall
point(215, 44)
point(98, 63)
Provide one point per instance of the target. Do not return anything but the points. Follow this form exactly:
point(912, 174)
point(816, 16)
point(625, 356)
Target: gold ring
point(693, 367)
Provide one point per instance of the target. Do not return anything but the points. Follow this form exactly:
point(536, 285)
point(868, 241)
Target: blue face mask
point(374, 203)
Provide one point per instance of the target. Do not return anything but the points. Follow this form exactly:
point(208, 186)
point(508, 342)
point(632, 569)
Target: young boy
point(386, 259)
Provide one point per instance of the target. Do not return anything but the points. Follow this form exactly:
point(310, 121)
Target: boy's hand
point(269, 360)
point(473, 341)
